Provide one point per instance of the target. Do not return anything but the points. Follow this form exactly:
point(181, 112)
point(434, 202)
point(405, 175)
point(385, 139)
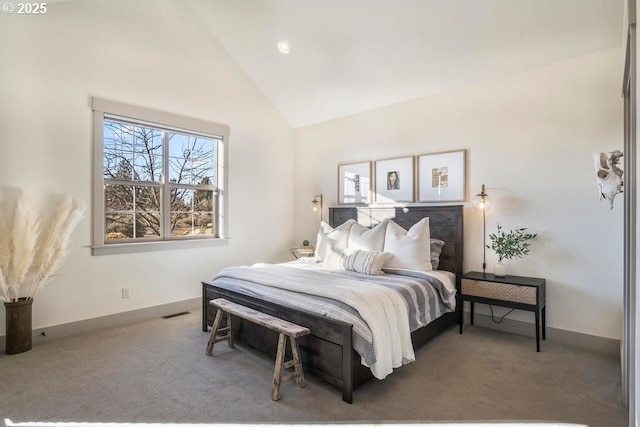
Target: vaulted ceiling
point(349, 56)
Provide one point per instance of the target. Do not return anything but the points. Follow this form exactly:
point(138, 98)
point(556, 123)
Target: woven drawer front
point(501, 291)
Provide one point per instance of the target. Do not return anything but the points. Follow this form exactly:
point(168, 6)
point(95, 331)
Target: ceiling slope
point(349, 56)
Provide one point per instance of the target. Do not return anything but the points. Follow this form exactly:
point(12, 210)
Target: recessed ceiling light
point(283, 46)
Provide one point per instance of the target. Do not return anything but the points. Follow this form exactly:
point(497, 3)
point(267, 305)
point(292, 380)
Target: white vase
point(499, 269)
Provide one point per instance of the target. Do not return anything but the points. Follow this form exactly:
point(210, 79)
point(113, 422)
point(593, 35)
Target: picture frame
point(394, 180)
point(354, 183)
point(441, 176)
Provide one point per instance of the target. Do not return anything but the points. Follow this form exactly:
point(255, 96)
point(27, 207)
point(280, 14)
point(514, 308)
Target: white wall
point(154, 54)
point(529, 138)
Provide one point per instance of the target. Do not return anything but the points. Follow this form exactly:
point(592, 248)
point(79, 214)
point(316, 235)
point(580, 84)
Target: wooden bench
point(284, 328)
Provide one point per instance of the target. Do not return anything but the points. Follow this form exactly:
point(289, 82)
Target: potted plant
point(29, 256)
point(513, 244)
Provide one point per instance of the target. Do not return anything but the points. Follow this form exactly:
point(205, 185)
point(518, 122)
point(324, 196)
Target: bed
point(329, 352)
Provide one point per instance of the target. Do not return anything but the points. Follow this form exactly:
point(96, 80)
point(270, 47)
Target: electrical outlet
point(125, 292)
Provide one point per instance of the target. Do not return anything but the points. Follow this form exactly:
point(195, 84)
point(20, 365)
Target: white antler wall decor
point(608, 174)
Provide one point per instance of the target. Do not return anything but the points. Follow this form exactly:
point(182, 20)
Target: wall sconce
point(317, 199)
point(482, 202)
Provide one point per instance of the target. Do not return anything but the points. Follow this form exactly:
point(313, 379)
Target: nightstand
point(301, 251)
point(522, 293)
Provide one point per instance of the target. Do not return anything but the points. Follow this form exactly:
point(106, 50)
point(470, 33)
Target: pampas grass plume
point(5, 251)
point(55, 246)
point(26, 252)
point(26, 229)
point(5, 239)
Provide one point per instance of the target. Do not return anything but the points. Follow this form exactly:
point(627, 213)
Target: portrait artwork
point(393, 180)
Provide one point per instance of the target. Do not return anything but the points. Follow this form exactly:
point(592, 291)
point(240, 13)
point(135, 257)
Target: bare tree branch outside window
point(135, 160)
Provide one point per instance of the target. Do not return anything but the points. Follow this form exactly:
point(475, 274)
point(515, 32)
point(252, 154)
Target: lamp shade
point(482, 201)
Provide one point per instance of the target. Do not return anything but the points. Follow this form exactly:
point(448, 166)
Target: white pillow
point(334, 258)
point(361, 237)
point(409, 249)
point(328, 236)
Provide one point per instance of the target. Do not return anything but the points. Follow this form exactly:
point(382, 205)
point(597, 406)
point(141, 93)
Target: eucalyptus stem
point(514, 244)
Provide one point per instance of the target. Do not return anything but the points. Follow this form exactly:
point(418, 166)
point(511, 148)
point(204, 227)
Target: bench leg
point(297, 365)
point(277, 373)
point(229, 331)
point(214, 333)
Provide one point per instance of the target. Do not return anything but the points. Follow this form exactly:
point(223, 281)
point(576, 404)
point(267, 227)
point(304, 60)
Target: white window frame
point(102, 109)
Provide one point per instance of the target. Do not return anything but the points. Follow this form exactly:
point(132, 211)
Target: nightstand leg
point(461, 316)
point(538, 330)
point(472, 306)
point(544, 323)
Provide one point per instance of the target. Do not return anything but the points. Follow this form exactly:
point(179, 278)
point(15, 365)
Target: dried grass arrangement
point(28, 255)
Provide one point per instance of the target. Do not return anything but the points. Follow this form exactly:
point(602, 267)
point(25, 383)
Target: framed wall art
point(394, 180)
point(354, 183)
point(441, 177)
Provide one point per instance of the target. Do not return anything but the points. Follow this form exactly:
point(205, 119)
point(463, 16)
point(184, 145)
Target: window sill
point(167, 245)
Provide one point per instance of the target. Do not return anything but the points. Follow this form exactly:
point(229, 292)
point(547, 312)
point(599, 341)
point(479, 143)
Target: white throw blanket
point(383, 309)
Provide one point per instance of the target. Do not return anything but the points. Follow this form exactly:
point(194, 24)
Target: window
point(158, 177)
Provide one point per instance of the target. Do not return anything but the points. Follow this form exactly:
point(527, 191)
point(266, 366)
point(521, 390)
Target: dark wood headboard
point(445, 223)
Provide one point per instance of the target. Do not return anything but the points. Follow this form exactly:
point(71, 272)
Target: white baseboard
point(113, 320)
point(574, 339)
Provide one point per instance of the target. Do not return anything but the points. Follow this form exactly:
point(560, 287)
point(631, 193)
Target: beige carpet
point(157, 372)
